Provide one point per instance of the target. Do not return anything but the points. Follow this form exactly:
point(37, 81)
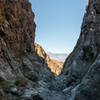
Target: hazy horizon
point(58, 23)
point(58, 56)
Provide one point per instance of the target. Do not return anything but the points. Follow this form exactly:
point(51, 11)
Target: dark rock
point(37, 97)
point(83, 64)
point(20, 66)
point(13, 91)
point(80, 77)
point(2, 33)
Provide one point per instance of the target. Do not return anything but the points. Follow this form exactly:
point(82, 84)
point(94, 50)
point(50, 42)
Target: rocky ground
point(26, 76)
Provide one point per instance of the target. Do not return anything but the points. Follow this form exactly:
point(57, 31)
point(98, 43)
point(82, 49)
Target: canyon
point(27, 72)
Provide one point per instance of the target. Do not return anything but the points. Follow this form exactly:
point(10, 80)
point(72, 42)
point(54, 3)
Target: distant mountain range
point(58, 56)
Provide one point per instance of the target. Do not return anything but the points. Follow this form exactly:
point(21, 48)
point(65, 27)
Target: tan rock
point(54, 65)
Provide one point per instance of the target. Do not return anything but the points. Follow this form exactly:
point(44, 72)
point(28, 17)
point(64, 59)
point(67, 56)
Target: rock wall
point(20, 66)
point(82, 67)
point(54, 65)
point(17, 33)
point(16, 25)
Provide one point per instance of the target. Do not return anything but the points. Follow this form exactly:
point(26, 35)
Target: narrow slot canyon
point(28, 73)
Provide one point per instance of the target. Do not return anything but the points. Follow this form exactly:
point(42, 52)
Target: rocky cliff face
point(82, 67)
point(54, 65)
point(25, 76)
point(80, 77)
point(20, 66)
point(17, 33)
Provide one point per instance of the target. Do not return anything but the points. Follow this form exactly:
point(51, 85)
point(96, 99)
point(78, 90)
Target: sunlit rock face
point(54, 65)
point(82, 67)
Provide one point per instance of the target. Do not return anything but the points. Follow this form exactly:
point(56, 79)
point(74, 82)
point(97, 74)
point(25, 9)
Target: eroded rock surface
point(25, 76)
point(20, 66)
point(54, 65)
point(17, 33)
point(82, 67)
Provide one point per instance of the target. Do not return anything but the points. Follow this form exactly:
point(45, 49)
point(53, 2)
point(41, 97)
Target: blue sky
point(58, 23)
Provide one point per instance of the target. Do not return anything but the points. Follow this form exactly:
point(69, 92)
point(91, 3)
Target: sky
point(58, 23)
